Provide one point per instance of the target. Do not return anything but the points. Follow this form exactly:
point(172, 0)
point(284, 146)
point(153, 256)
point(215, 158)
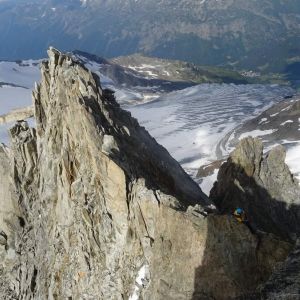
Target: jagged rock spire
point(99, 209)
point(263, 185)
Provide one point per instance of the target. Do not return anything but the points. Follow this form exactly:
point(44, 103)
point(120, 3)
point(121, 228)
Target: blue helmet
point(239, 210)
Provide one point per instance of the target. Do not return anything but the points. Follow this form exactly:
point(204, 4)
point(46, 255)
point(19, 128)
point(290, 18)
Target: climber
point(241, 217)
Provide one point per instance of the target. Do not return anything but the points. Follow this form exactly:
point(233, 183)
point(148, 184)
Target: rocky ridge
point(284, 282)
point(277, 125)
point(263, 185)
point(175, 70)
point(90, 203)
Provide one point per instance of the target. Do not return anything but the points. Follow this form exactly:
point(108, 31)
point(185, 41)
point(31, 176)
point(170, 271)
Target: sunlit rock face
point(93, 208)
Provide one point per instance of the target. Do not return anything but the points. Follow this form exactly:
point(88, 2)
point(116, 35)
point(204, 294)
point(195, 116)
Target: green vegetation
point(175, 70)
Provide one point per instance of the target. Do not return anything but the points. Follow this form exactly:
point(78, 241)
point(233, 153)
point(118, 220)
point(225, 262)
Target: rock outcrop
point(284, 282)
point(263, 186)
point(93, 208)
point(17, 114)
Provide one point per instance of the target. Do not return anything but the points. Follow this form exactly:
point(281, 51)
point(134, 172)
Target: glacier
point(189, 123)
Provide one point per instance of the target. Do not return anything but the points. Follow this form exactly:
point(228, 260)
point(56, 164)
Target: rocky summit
point(93, 208)
point(263, 185)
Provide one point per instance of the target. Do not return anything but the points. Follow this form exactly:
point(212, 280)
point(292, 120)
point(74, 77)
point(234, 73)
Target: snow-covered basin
point(24, 73)
point(12, 98)
point(16, 83)
point(293, 160)
point(191, 122)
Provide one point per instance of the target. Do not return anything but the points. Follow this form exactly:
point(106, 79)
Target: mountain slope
point(261, 35)
point(180, 71)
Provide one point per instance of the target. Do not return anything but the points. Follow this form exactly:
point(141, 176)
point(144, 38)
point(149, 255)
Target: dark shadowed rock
point(285, 281)
point(283, 284)
point(262, 185)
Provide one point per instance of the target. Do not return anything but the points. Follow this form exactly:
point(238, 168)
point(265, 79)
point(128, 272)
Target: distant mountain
point(260, 35)
point(176, 70)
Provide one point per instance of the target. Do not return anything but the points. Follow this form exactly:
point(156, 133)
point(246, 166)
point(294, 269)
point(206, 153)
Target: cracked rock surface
point(90, 203)
point(261, 184)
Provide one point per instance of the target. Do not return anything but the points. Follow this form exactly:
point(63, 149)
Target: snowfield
point(256, 133)
point(16, 84)
point(293, 160)
point(23, 74)
point(190, 123)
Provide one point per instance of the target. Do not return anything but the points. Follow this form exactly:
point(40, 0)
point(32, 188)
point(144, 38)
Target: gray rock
point(280, 124)
point(104, 212)
point(262, 185)
point(285, 281)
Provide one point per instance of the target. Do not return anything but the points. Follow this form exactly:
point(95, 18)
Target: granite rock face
point(93, 208)
point(262, 185)
point(285, 281)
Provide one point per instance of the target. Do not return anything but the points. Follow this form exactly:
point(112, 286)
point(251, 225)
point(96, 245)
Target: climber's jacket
point(240, 215)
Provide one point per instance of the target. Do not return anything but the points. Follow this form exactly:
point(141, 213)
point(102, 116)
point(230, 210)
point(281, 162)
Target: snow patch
point(257, 133)
point(263, 120)
point(293, 160)
point(141, 282)
point(208, 182)
point(286, 122)
point(285, 109)
point(273, 115)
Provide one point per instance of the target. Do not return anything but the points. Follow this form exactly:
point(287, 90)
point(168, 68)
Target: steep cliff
point(93, 208)
point(284, 282)
point(262, 185)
